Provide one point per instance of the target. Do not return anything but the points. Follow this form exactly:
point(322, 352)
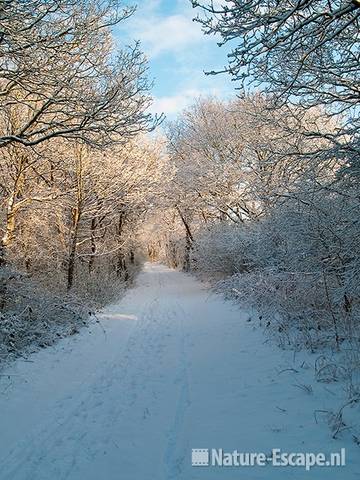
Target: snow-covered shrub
point(222, 251)
point(31, 317)
point(303, 279)
point(106, 283)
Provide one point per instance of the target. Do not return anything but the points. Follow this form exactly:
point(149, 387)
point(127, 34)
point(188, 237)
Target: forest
point(258, 194)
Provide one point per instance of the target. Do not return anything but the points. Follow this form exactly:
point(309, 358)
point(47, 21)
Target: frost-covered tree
point(61, 76)
point(72, 213)
point(307, 49)
point(305, 53)
point(233, 160)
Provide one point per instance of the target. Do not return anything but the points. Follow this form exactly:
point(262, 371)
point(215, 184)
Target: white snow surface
point(170, 367)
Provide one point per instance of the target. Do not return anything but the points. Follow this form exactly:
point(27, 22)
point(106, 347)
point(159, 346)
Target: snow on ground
point(170, 368)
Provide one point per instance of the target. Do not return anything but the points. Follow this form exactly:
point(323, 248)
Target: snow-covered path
point(169, 369)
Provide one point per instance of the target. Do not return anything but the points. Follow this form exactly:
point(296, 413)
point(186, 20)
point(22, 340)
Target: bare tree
point(60, 75)
point(304, 52)
point(307, 49)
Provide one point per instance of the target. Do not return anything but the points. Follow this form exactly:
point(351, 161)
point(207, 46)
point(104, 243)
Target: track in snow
point(173, 369)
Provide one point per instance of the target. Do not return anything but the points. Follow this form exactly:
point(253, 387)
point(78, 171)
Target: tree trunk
point(76, 215)
point(188, 241)
point(121, 267)
point(121, 264)
point(72, 249)
point(11, 210)
point(93, 245)
point(188, 247)
point(132, 257)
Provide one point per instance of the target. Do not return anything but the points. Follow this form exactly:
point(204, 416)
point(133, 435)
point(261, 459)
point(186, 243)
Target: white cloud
point(179, 53)
point(171, 105)
point(174, 104)
point(173, 33)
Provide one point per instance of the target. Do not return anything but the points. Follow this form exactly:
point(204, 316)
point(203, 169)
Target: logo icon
point(200, 457)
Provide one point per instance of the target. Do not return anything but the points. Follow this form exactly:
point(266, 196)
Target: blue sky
point(178, 53)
